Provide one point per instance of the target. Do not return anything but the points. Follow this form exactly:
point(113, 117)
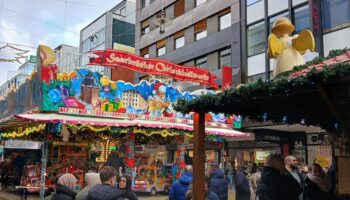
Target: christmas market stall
point(82, 117)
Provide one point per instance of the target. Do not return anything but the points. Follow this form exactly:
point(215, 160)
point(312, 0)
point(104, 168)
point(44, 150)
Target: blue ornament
point(336, 126)
point(285, 119)
point(55, 95)
point(265, 117)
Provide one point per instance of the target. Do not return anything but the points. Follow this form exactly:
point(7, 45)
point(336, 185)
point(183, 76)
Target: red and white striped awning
point(35, 118)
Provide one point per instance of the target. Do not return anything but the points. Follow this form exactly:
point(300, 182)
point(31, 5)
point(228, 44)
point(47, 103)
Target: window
point(123, 11)
point(302, 18)
point(199, 2)
point(160, 47)
point(179, 39)
point(145, 52)
point(225, 58)
point(200, 29)
point(256, 39)
point(224, 19)
point(179, 8)
point(94, 41)
point(273, 19)
point(145, 3)
point(250, 2)
point(201, 62)
point(144, 27)
point(161, 51)
point(336, 13)
point(201, 35)
point(179, 42)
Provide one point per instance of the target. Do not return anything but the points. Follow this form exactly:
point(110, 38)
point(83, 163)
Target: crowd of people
point(106, 185)
point(12, 169)
point(282, 178)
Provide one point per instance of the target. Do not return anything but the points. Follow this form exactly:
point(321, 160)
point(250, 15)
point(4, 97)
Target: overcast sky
point(50, 22)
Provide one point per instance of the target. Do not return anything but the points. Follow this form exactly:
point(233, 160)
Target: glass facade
point(336, 13)
point(225, 21)
point(256, 39)
point(225, 58)
point(250, 2)
point(302, 18)
point(94, 41)
point(123, 33)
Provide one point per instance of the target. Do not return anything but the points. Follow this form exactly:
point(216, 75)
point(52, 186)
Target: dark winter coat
point(116, 162)
point(128, 193)
point(105, 192)
point(64, 193)
point(179, 188)
point(219, 185)
point(212, 196)
point(275, 185)
point(296, 183)
point(242, 186)
point(313, 192)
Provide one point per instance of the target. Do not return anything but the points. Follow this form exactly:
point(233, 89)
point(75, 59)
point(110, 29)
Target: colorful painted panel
point(89, 90)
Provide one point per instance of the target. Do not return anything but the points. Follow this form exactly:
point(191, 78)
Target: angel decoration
point(287, 49)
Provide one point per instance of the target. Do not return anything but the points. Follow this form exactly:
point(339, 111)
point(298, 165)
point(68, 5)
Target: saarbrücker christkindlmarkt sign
point(116, 58)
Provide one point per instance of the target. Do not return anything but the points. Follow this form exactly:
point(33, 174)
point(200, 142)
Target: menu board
point(344, 175)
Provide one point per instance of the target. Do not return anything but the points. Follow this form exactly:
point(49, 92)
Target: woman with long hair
point(124, 184)
point(317, 185)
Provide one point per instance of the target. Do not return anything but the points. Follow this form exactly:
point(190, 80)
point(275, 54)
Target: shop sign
point(22, 144)
point(33, 59)
point(272, 138)
point(116, 58)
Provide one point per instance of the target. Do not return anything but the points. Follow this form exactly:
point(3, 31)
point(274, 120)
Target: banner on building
point(116, 58)
point(316, 23)
point(226, 77)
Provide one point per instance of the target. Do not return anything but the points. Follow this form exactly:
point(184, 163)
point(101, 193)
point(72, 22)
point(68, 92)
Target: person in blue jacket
point(179, 188)
point(218, 182)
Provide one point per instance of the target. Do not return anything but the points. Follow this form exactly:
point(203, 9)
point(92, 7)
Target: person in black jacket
point(275, 184)
point(242, 184)
point(115, 161)
point(317, 185)
point(107, 190)
point(292, 170)
point(65, 187)
point(124, 184)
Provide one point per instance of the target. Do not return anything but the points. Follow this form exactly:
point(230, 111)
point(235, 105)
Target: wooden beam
point(333, 109)
point(199, 156)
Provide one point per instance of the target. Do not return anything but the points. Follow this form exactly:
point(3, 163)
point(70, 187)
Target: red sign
point(226, 77)
point(117, 58)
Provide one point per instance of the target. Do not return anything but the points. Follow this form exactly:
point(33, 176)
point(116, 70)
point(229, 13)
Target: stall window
point(302, 18)
point(225, 58)
point(201, 62)
point(145, 3)
point(145, 27)
point(161, 47)
point(225, 19)
point(199, 2)
point(200, 29)
point(145, 52)
point(336, 13)
point(179, 39)
point(179, 8)
point(256, 39)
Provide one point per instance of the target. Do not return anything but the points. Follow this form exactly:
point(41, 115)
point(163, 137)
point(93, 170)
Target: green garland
point(283, 86)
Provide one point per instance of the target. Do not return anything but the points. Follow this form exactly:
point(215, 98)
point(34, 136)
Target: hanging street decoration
point(9, 53)
point(116, 58)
